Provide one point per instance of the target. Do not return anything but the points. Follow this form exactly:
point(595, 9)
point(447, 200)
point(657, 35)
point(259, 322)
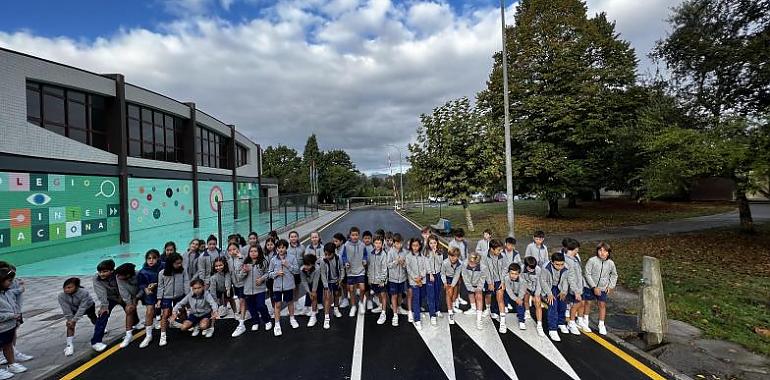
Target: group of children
point(11, 291)
point(362, 271)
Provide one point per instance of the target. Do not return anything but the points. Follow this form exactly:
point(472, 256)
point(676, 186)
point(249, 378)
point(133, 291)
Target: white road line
point(358, 349)
point(543, 346)
point(439, 342)
point(488, 340)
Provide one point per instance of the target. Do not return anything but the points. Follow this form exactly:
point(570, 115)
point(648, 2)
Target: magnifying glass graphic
point(106, 189)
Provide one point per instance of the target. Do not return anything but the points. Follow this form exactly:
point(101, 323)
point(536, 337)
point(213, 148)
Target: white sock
point(70, 340)
point(129, 334)
point(148, 330)
point(601, 323)
point(240, 322)
point(585, 320)
point(162, 334)
point(502, 318)
point(540, 323)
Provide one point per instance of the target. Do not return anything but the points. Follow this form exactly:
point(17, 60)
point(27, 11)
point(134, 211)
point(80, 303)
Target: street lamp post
point(508, 166)
point(400, 175)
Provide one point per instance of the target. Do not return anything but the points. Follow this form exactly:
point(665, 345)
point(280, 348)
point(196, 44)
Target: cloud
point(356, 73)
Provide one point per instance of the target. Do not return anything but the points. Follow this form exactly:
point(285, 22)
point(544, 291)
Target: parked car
point(501, 197)
point(433, 199)
point(480, 198)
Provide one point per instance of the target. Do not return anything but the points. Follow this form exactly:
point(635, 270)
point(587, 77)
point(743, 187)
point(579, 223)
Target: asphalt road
point(358, 348)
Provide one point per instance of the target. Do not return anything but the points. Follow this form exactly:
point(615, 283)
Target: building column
point(231, 155)
point(190, 134)
point(118, 138)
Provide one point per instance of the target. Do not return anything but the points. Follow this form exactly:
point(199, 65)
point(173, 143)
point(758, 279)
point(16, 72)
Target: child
point(396, 276)
point(253, 241)
point(417, 270)
point(219, 283)
point(474, 278)
point(297, 250)
point(339, 239)
point(388, 241)
point(171, 290)
point(515, 290)
point(425, 234)
point(497, 268)
point(538, 249)
point(511, 252)
point(254, 276)
point(482, 247)
point(10, 319)
point(576, 284)
point(234, 266)
point(377, 272)
point(601, 277)
point(367, 238)
point(19, 356)
point(206, 260)
point(331, 275)
point(434, 257)
point(531, 277)
point(147, 282)
point(315, 247)
point(190, 258)
point(281, 268)
point(75, 302)
point(128, 288)
point(460, 243)
point(310, 276)
point(168, 249)
point(270, 253)
point(554, 284)
point(354, 258)
point(202, 308)
point(450, 271)
point(108, 295)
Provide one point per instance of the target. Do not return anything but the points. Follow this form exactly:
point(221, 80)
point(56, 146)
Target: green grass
point(717, 280)
point(588, 216)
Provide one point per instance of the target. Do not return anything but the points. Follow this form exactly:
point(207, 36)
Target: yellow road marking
point(78, 371)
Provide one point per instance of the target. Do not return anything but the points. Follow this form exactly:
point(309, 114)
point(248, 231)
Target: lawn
point(588, 216)
point(717, 280)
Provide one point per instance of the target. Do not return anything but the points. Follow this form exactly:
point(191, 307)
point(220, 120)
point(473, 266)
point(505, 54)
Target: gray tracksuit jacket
point(435, 259)
point(106, 290)
point(285, 282)
point(219, 283)
point(197, 305)
point(318, 251)
point(482, 247)
point(74, 305)
point(576, 279)
point(235, 265)
point(416, 268)
point(377, 270)
point(532, 279)
point(514, 257)
point(515, 289)
point(250, 277)
point(541, 254)
point(299, 253)
point(205, 264)
point(331, 271)
point(354, 254)
point(309, 280)
point(396, 271)
point(190, 263)
point(129, 290)
point(462, 246)
point(474, 278)
point(550, 277)
point(453, 271)
point(497, 267)
point(172, 287)
point(601, 273)
point(8, 309)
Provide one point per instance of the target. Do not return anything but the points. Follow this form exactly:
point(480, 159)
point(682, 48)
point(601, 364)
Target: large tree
point(568, 77)
point(284, 164)
point(719, 59)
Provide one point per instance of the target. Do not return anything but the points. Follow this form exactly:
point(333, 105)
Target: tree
point(284, 164)
point(338, 177)
point(447, 154)
point(568, 77)
point(717, 55)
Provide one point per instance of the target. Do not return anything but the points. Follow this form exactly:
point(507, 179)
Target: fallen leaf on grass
point(762, 331)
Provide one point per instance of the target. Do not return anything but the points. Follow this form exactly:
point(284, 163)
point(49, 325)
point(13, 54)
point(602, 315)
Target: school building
point(90, 160)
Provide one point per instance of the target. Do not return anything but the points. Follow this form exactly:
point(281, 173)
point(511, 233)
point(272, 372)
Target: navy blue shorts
point(588, 295)
point(168, 303)
point(377, 288)
point(333, 287)
point(531, 293)
point(571, 298)
point(149, 299)
point(449, 280)
point(284, 296)
point(196, 320)
point(238, 291)
point(353, 280)
point(6, 337)
point(396, 288)
point(486, 288)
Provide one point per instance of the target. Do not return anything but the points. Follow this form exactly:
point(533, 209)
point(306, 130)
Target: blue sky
point(357, 73)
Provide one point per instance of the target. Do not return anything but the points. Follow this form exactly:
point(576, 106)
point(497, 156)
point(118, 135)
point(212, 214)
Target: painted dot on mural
point(162, 204)
point(149, 197)
point(20, 218)
point(186, 189)
point(141, 189)
point(134, 203)
point(156, 214)
point(153, 188)
point(189, 212)
point(177, 189)
point(169, 192)
point(176, 203)
point(139, 219)
point(215, 196)
point(182, 207)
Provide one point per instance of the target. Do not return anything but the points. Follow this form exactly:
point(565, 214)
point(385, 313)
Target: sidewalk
point(43, 332)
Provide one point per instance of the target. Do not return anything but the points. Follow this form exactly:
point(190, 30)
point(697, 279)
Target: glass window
point(147, 132)
point(134, 132)
point(76, 115)
point(76, 96)
point(56, 128)
point(98, 113)
point(134, 148)
point(99, 140)
point(78, 134)
point(133, 111)
point(147, 151)
point(33, 104)
point(53, 107)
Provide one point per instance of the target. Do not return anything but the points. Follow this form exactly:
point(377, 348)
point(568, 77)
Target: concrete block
point(653, 321)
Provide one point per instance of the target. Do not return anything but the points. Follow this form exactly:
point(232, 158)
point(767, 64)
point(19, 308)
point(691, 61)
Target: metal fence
point(263, 214)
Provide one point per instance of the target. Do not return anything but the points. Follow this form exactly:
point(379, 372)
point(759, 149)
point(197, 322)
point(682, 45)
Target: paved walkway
point(43, 331)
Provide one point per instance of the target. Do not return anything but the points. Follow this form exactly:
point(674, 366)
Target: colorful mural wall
point(159, 202)
point(209, 193)
point(39, 210)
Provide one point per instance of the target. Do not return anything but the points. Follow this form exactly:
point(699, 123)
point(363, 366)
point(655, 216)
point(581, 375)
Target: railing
point(263, 215)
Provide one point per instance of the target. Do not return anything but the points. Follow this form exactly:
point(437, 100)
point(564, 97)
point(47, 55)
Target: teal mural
point(209, 193)
point(159, 202)
point(39, 210)
point(248, 190)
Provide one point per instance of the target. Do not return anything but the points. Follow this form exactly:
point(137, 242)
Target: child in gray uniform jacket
point(530, 274)
point(451, 270)
point(554, 285)
point(354, 256)
point(475, 278)
point(515, 289)
point(377, 272)
point(282, 267)
point(75, 302)
point(10, 318)
point(128, 288)
point(571, 247)
point(310, 277)
point(331, 273)
point(235, 288)
point(254, 276)
point(201, 308)
point(601, 277)
point(396, 275)
point(417, 270)
point(172, 286)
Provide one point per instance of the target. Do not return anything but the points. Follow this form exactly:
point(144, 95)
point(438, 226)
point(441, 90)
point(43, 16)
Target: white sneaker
point(394, 321)
point(462, 301)
point(3, 361)
point(495, 316)
point(326, 323)
point(377, 310)
point(20, 356)
point(268, 326)
point(146, 341)
point(563, 329)
point(4, 374)
point(344, 303)
point(99, 347)
point(485, 313)
point(457, 310)
point(175, 325)
point(470, 311)
point(526, 315)
point(451, 318)
point(337, 313)
point(209, 332)
point(602, 329)
point(352, 312)
point(418, 325)
point(277, 330)
point(566, 312)
point(403, 311)
point(240, 330)
point(361, 308)
point(554, 336)
point(162, 342)
point(126, 341)
point(139, 326)
point(510, 308)
point(503, 328)
point(309, 312)
point(433, 321)
point(410, 318)
point(196, 331)
point(293, 322)
point(255, 327)
point(156, 325)
point(438, 314)
point(369, 305)
point(312, 322)
point(540, 331)
point(16, 368)
point(522, 326)
point(583, 324)
point(573, 328)
point(382, 318)
point(479, 324)
point(69, 350)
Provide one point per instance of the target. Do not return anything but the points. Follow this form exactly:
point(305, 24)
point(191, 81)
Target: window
point(75, 114)
point(241, 155)
point(213, 148)
point(151, 134)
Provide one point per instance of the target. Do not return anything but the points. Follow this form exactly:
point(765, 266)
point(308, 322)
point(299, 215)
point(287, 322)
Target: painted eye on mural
point(38, 199)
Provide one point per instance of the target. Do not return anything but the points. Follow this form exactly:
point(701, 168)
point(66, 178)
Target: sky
point(357, 73)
